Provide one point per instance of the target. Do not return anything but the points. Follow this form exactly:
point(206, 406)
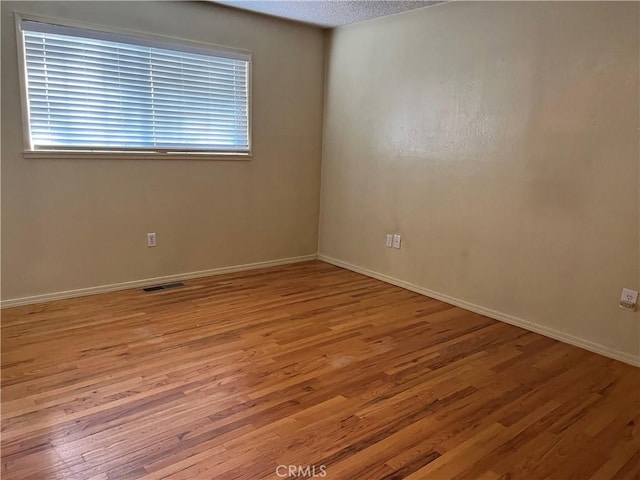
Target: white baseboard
point(503, 317)
point(81, 292)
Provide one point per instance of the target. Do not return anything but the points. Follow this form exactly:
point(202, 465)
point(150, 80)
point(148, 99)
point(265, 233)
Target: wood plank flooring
point(305, 365)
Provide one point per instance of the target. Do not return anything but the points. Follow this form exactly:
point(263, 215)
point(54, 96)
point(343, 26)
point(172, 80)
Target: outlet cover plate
point(628, 299)
point(151, 240)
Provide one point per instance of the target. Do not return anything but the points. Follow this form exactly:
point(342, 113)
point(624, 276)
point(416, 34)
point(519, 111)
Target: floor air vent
point(165, 286)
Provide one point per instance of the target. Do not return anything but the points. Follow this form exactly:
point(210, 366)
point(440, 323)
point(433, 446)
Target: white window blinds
point(90, 90)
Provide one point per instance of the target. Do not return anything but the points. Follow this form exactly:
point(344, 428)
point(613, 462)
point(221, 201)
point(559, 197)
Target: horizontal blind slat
point(185, 128)
point(61, 63)
point(110, 94)
point(98, 37)
point(121, 51)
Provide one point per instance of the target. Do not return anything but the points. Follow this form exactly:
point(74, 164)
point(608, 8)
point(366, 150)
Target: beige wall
point(501, 141)
point(70, 224)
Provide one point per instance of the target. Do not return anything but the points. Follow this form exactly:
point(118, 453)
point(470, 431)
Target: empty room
point(352, 240)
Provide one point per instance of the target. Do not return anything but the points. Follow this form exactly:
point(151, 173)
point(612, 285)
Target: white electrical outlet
point(396, 241)
point(151, 240)
point(628, 299)
point(389, 242)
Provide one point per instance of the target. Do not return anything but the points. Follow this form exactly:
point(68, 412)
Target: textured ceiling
point(328, 13)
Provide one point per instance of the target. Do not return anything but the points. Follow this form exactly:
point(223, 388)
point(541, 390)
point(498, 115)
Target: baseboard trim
point(503, 317)
point(82, 292)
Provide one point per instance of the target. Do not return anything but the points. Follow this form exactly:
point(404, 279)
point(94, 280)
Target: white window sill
point(133, 155)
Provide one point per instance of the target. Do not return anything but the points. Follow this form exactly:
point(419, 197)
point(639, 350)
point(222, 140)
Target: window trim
point(115, 153)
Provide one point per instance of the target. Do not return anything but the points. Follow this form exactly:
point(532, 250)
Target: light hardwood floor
point(306, 364)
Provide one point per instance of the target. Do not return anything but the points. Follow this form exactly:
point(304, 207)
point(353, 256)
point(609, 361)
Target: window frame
point(124, 153)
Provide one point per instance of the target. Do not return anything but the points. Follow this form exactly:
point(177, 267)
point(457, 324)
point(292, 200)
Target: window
point(91, 91)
